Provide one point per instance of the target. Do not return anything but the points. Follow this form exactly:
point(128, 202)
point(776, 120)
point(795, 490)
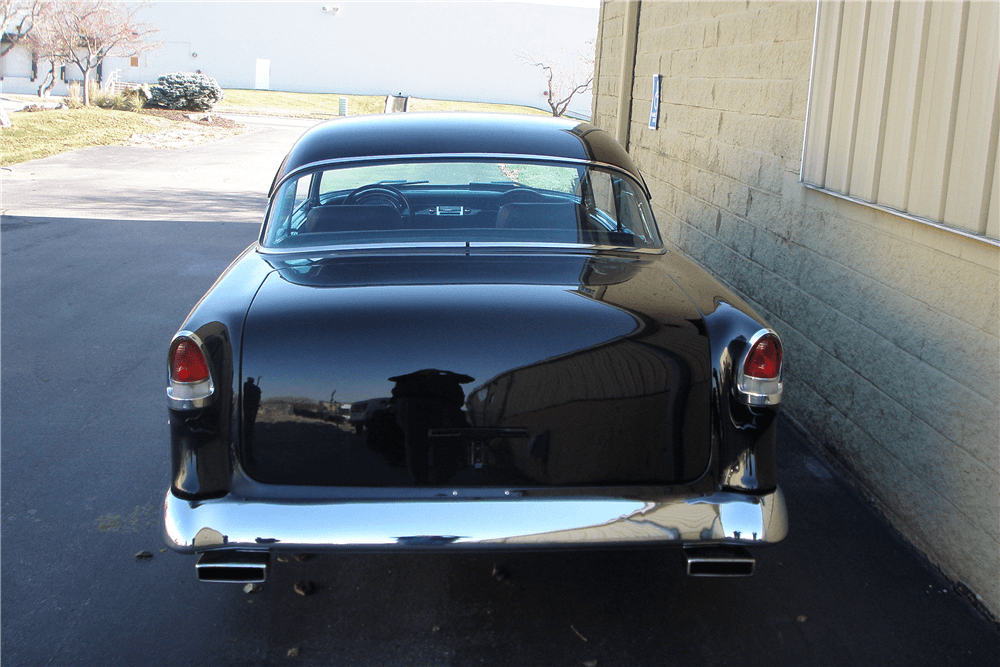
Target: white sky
point(592, 4)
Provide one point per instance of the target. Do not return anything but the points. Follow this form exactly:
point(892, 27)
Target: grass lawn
point(36, 135)
point(326, 105)
point(417, 104)
point(41, 134)
point(303, 105)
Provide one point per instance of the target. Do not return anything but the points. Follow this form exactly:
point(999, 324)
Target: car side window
point(629, 210)
point(617, 204)
point(603, 192)
point(303, 188)
point(291, 205)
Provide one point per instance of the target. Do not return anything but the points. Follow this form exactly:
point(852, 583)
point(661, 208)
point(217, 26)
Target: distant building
point(435, 50)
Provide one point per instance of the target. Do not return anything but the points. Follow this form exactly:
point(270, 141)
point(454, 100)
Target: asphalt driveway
point(104, 251)
point(221, 181)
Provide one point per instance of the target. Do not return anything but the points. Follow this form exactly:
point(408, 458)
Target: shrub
point(133, 100)
point(185, 90)
point(104, 99)
point(73, 99)
point(127, 100)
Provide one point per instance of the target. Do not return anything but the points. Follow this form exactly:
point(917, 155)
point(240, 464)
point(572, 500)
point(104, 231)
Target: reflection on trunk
point(626, 412)
point(617, 414)
point(605, 381)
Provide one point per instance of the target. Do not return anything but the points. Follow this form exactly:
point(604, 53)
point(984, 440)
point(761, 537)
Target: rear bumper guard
point(255, 525)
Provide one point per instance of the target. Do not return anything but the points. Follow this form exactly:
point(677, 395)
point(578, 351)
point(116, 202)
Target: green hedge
point(185, 90)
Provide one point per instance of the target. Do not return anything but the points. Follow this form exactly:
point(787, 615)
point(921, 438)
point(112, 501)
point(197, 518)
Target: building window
point(134, 61)
point(903, 109)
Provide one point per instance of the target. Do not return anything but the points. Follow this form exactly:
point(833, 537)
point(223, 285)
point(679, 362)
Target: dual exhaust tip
point(251, 567)
point(719, 562)
point(233, 567)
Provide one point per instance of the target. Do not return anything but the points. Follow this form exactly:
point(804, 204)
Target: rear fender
point(201, 439)
point(744, 436)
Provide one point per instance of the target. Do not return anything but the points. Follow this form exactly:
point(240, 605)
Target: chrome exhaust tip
point(233, 567)
point(719, 562)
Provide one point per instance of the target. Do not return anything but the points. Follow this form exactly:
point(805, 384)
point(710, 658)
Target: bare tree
point(46, 45)
point(89, 32)
point(564, 81)
point(17, 19)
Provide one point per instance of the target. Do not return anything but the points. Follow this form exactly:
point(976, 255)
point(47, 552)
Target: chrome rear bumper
point(229, 523)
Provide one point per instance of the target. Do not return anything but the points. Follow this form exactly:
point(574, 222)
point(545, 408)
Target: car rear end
point(469, 352)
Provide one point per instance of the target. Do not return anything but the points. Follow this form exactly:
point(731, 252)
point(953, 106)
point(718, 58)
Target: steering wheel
point(379, 194)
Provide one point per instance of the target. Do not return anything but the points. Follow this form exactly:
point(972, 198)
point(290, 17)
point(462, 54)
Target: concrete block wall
point(891, 327)
point(610, 51)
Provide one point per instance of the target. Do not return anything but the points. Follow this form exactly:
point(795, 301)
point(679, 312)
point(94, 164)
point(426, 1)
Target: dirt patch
point(195, 128)
point(206, 118)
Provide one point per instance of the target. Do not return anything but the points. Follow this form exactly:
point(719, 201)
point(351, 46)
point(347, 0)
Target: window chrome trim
point(759, 391)
point(189, 395)
point(449, 245)
point(452, 157)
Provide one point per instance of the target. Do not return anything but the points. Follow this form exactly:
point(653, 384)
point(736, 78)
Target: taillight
point(187, 363)
point(758, 377)
point(764, 360)
point(189, 374)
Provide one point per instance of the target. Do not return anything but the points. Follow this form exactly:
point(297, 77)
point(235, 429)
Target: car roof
point(421, 134)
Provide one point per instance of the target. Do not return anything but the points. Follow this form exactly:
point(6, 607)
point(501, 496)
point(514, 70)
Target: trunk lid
point(462, 370)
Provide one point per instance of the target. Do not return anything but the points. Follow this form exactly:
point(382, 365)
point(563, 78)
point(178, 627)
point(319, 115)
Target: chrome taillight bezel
point(756, 391)
point(189, 395)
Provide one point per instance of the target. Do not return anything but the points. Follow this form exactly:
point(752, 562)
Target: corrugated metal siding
point(903, 108)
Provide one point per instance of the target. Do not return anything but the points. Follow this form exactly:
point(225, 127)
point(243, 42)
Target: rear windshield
point(461, 201)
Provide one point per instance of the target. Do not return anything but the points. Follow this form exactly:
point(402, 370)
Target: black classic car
point(465, 332)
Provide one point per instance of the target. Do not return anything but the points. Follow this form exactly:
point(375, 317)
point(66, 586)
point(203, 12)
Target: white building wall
point(436, 50)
